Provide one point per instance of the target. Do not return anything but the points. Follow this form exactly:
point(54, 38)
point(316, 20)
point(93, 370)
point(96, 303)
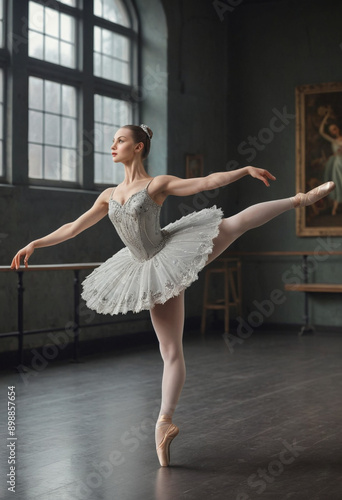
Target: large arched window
point(80, 88)
point(70, 74)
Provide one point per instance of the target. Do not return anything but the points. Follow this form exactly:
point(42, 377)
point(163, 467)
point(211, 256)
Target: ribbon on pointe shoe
point(166, 431)
point(316, 194)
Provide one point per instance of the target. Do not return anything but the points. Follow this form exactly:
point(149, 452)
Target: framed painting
point(194, 166)
point(319, 156)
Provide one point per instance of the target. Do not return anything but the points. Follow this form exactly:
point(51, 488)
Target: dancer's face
point(334, 130)
point(124, 149)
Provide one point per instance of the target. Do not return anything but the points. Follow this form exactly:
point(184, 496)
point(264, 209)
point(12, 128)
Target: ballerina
point(333, 167)
point(157, 265)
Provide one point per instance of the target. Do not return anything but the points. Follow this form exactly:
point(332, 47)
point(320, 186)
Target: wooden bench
point(315, 287)
point(304, 287)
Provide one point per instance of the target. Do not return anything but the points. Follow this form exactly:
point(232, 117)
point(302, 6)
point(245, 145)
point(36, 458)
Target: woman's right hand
point(25, 252)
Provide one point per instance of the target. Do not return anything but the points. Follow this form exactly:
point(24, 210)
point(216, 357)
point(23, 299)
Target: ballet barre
point(76, 325)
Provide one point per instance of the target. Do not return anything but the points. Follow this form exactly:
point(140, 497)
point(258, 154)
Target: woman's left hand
point(261, 174)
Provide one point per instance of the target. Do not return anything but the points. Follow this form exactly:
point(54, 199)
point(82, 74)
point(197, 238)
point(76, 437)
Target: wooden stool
point(231, 270)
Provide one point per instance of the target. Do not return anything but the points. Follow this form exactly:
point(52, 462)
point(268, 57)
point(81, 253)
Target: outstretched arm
point(67, 231)
point(322, 125)
point(171, 185)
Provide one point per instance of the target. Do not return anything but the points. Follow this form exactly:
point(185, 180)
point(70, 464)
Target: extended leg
point(254, 216)
point(257, 215)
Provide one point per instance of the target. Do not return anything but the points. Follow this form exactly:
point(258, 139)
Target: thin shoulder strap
point(149, 182)
point(111, 194)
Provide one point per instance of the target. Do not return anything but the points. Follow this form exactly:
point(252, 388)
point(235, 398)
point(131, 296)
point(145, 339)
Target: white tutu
point(123, 283)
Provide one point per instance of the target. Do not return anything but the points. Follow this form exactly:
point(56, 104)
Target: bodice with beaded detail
point(137, 223)
point(156, 264)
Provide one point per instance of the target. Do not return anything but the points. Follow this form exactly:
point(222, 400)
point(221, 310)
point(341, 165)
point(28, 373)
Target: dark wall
point(198, 73)
point(273, 47)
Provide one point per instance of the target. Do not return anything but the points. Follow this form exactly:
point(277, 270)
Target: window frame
point(74, 12)
point(81, 77)
point(116, 90)
point(44, 112)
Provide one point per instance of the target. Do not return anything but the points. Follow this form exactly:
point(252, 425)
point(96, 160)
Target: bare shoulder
point(103, 197)
point(158, 187)
point(161, 182)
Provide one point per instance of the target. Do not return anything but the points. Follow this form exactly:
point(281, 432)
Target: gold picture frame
point(194, 166)
point(319, 156)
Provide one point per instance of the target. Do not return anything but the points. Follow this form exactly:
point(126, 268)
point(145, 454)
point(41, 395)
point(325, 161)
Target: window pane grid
point(53, 29)
point(52, 35)
point(110, 114)
point(71, 3)
point(52, 131)
point(112, 10)
point(112, 55)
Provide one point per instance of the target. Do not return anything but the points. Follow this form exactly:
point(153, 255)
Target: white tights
point(168, 318)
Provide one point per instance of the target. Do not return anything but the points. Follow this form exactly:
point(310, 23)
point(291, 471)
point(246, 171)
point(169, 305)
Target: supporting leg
point(168, 323)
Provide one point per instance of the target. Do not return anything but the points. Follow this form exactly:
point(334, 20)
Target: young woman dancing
point(333, 167)
point(157, 265)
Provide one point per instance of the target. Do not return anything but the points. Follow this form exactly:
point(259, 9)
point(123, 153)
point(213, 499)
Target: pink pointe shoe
point(163, 448)
point(303, 200)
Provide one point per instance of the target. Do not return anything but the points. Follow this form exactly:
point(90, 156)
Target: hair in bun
point(141, 133)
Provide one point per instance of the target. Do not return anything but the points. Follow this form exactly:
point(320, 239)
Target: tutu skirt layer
point(123, 283)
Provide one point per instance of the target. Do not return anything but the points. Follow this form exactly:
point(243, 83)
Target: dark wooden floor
point(262, 422)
